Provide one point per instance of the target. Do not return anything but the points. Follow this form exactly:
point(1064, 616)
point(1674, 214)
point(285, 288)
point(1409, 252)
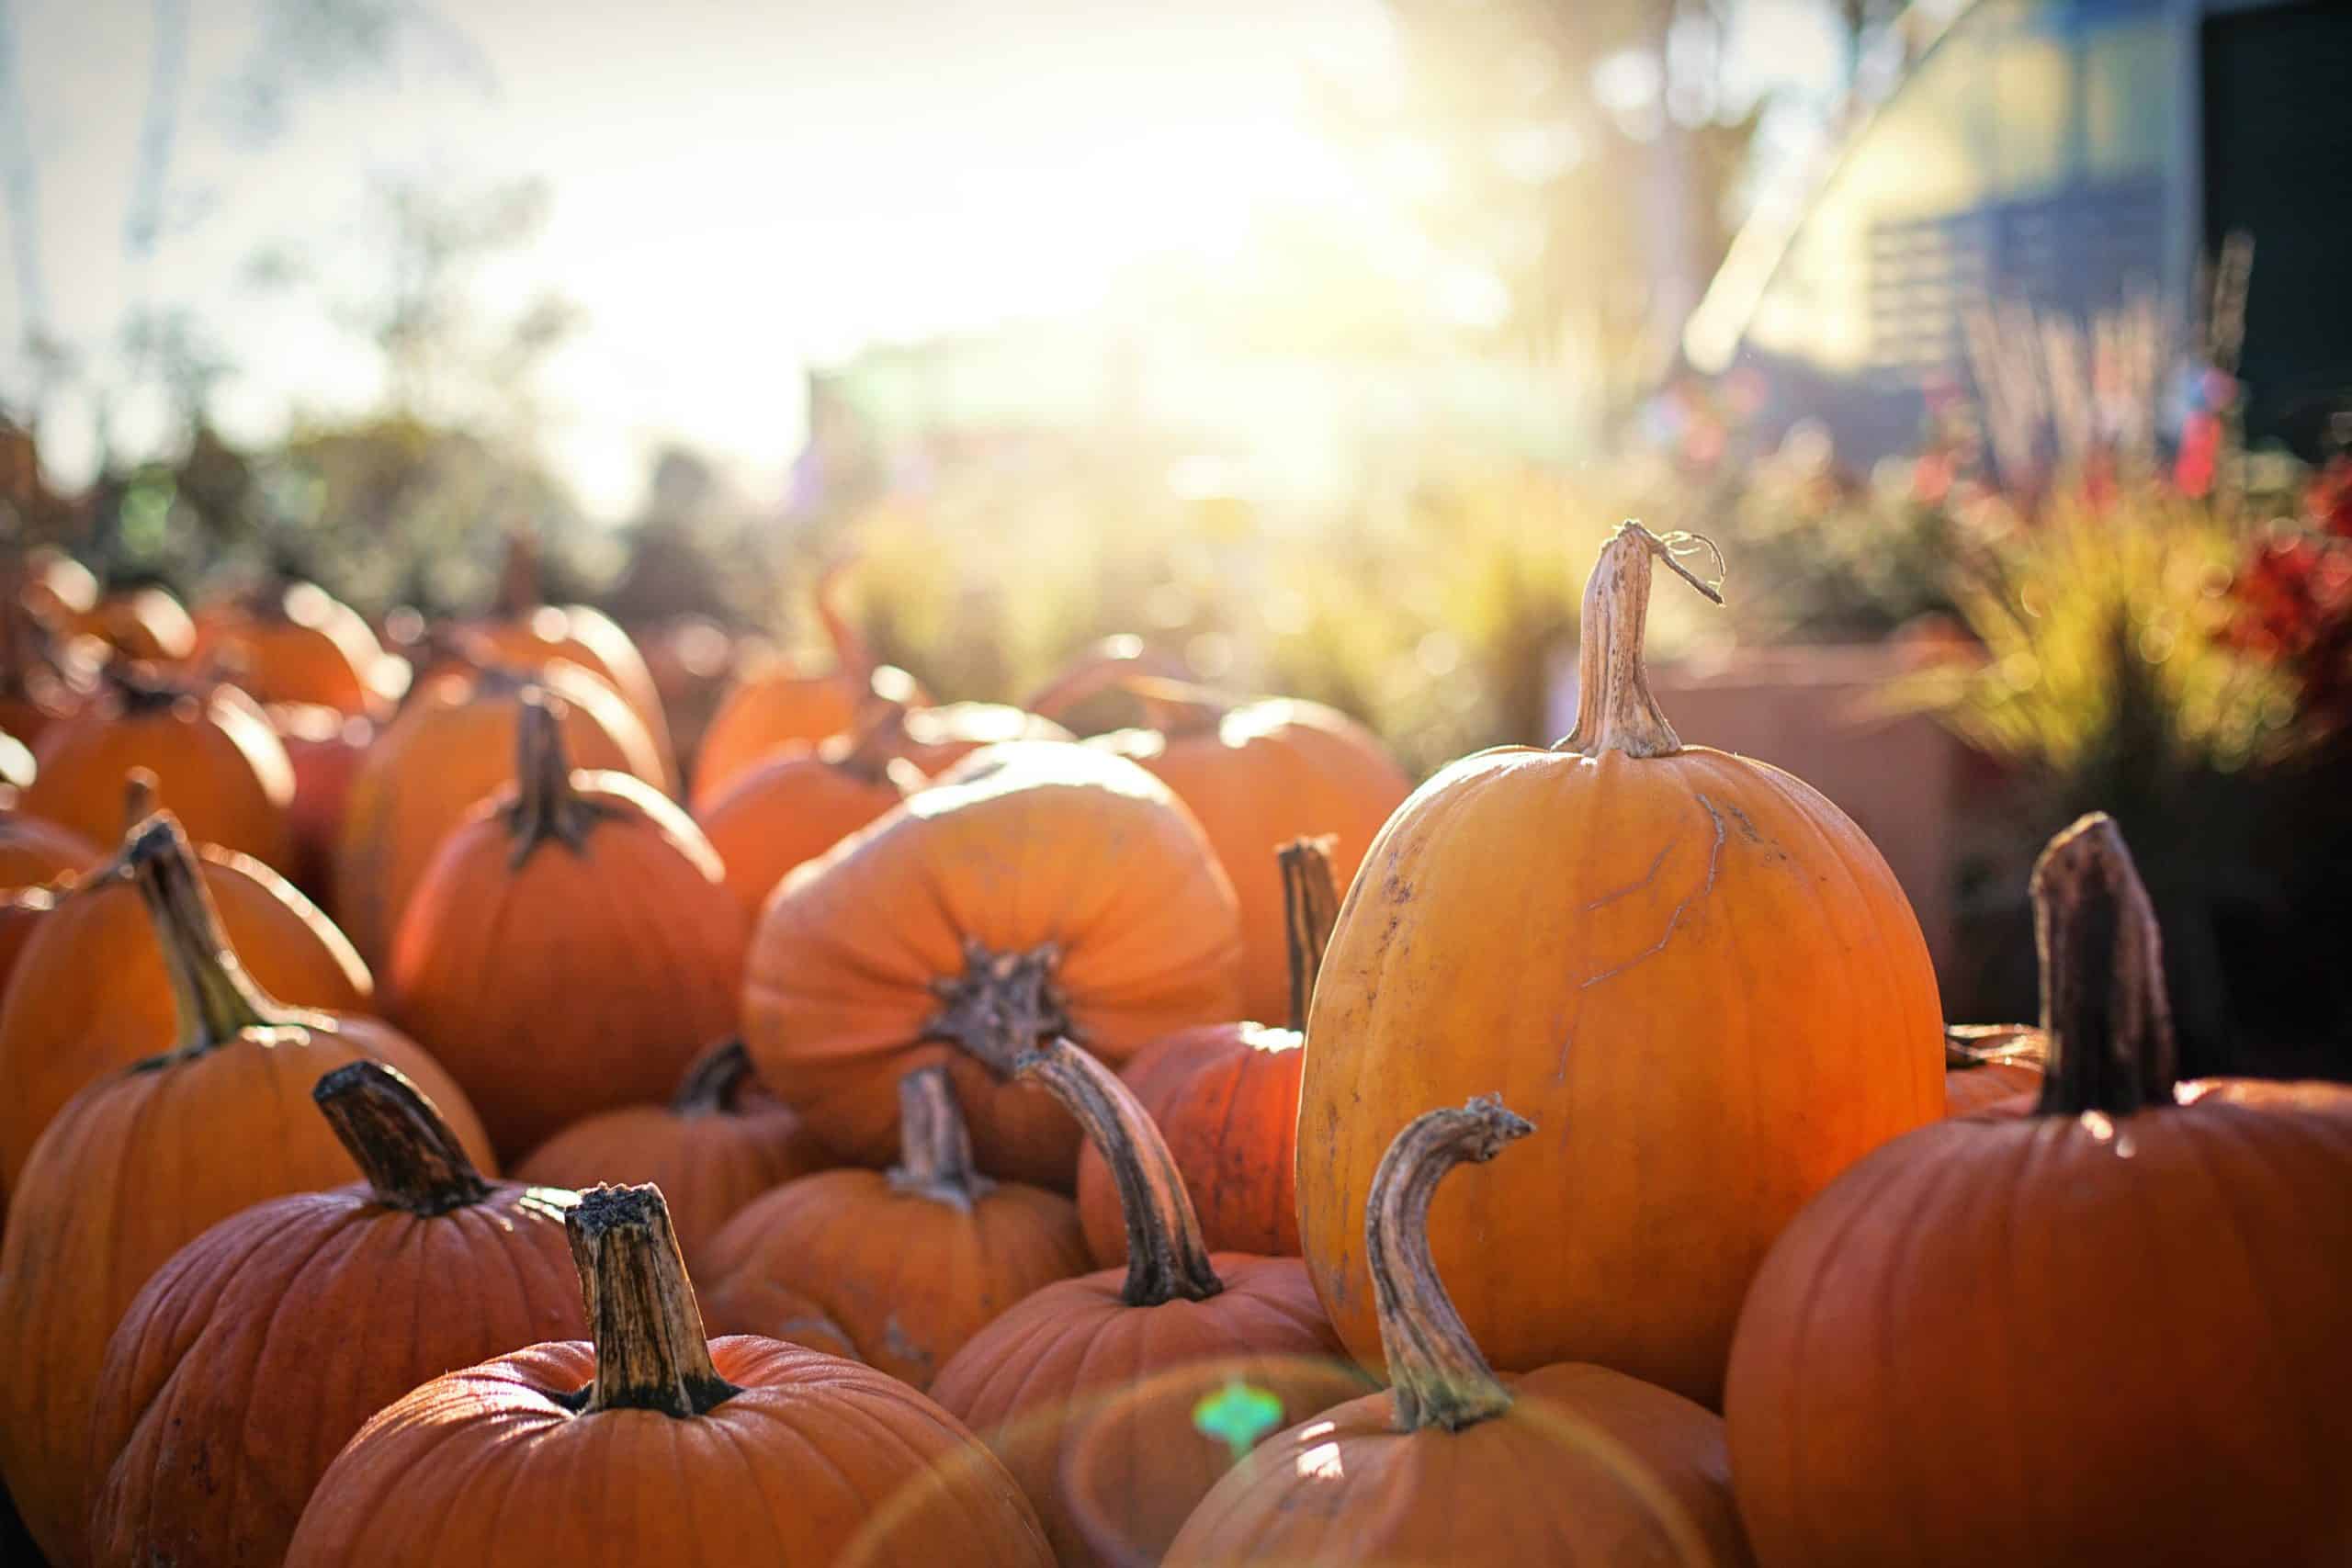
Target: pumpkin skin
point(104, 1000)
point(32, 851)
point(1029, 1380)
point(1989, 1065)
point(295, 643)
point(568, 947)
point(451, 747)
point(2166, 1262)
point(212, 1420)
point(327, 749)
point(911, 1264)
point(799, 803)
point(732, 1451)
point(1063, 885)
point(783, 700)
point(718, 1145)
point(214, 756)
point(141, 1163)
point(1614, 935)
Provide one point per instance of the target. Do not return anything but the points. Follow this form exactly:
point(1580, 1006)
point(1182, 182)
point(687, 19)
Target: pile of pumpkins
point(882, 1156)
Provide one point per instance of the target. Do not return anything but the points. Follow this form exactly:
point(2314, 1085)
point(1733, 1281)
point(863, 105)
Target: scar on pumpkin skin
point(1674, 920)
point(1643, 881)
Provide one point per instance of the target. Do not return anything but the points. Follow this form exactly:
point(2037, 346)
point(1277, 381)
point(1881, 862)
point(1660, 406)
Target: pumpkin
point(653, 1445)
point(214, 756)
point(2129, 1304)
point(1258, 775)
point(1989, 1064)
point(783, 700)
point(936, 738)
point(719, 1143)
point(294, 642)
point(327, 749)
point(36, 689)
point(105, 997)
point(212, 1421)
point(1226, 1100)
point(1038, 888)
point(1568, 1463)
point(569, 947)
point(451, 747)
point(804, 799)
point(911, 1262)
point(1694, 960)
point(1029, 1380)
point(142, 1162)
point(32, 851)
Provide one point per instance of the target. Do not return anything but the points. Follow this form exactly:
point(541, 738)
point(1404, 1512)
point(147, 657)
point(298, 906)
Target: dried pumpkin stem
point(878, 735)
point(2105, 1014)
point(1615, 711)
point(397, 1140)
point(1438, 1374)
point(1167, 1256)
point(652, 1352)
point(217, 1000)
point(1310, 909)
point(546, 807)
point(712, 1084)
point(140, 797)
point(935, 1147)
point(518, 576)
point(1002, 1004)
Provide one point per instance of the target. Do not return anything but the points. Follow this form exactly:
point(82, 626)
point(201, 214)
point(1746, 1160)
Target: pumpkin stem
point(851, 657)
point(139, 798)
point(712, 1084)
point(935, 1147)
point(652, 1352)
point(1002, 1005)
point(876, 736)
point(138, 688)
point(2105, 1014)
point(1176, 707)
point(1614, 709)
point(1310, 909)
point(518, 576)
point(397, 1140)
point(1167, 1256)
point(217, 1000)
point(1439, 1377)
point(545, 805)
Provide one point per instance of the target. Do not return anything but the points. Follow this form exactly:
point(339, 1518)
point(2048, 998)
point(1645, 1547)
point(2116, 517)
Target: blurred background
point(2003, 348)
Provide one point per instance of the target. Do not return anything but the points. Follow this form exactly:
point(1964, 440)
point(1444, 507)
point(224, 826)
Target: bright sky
point(741, 187)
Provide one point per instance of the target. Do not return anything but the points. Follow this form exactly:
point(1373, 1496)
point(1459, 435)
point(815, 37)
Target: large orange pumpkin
point(105, 995)
point(1225, 1098)
point(911, 1262)
point(570, 948)
point(294, 642)
point(1694, 960)
point(805, 799)
point(1989, 1064)
point(251, 1359)
point(141, 1163)
point(654, 1445)
point(452, 748)
point(719, 1143)
point(1038, 888)
point(33, 853)
point(2131, 1303)
point(1568, 1463)
point(215, 759)
point(1051, 1367)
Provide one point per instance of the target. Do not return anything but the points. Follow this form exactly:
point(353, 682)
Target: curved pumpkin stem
point(139, 798)
point(1167, 1255)
point(545, 805)
point(877, 738)
point(2105, 1013)
point(652, 1352)
point(393, 1134)
point(1002, 1005)
point(1310, 909)
point(217, 1000)
point(935, 1147)
point(1615, 711)
point(852, 655)
point(518, 576)
point(712, 1082)
point(1438, 1374)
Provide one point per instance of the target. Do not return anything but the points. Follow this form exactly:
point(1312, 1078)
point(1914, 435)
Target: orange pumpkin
point(718, 1143)
point(1989, 1064)
point(212, 1420)
point(214, 756)
point(1225, 1098)
point(294, 642)
point(569, 947)
point(654, 1445)
point(1259, 774)
point(1029, 1380)
point(910, 1263)
point(36, 689)
point(784, 700)
point(32, 852)
point(1569, 1463)
point(803, 800)
point(451, 747)
point(2168, 1266)
point(1619, 935)
point(327, 749)
point(105, 997)
point(1038, 888)
point(142, 1162)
